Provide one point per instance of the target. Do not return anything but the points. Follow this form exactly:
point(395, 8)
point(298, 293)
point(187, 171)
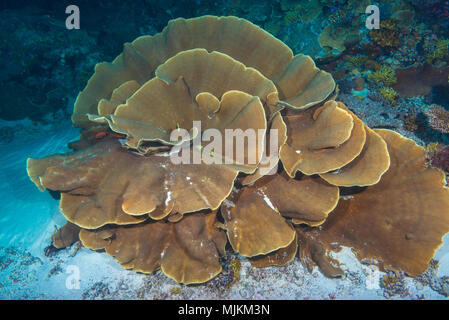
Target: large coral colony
point(338, 182)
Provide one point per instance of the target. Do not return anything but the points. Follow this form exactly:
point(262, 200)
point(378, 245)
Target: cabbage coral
point(124, 194)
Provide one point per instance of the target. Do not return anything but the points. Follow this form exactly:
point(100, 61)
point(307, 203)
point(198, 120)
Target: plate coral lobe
point(130, 200)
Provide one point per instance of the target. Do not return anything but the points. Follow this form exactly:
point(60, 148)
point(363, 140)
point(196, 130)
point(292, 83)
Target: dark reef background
point(394, 77)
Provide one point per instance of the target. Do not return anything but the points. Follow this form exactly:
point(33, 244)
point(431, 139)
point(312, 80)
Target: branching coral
point(358, 61)
point(386, 74)
point(129, 197)
point(411, 122)
point(387, 35)
point(437, 49)
point(438, 118)
point(389, 94)
point(340, 16)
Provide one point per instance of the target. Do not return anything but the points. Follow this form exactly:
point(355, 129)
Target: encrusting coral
point(126, 195)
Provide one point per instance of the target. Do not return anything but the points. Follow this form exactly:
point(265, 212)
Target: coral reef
point(420, 79)
point(389, 94)
point(387, 35)
point(439, 157)
point(128, 197)
point(403, 64)
point(349, 223)
point(430, 277)
point(385, 74)
point(437, 49)
point(414, 122)
point(438, 118)
point(31, 48)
